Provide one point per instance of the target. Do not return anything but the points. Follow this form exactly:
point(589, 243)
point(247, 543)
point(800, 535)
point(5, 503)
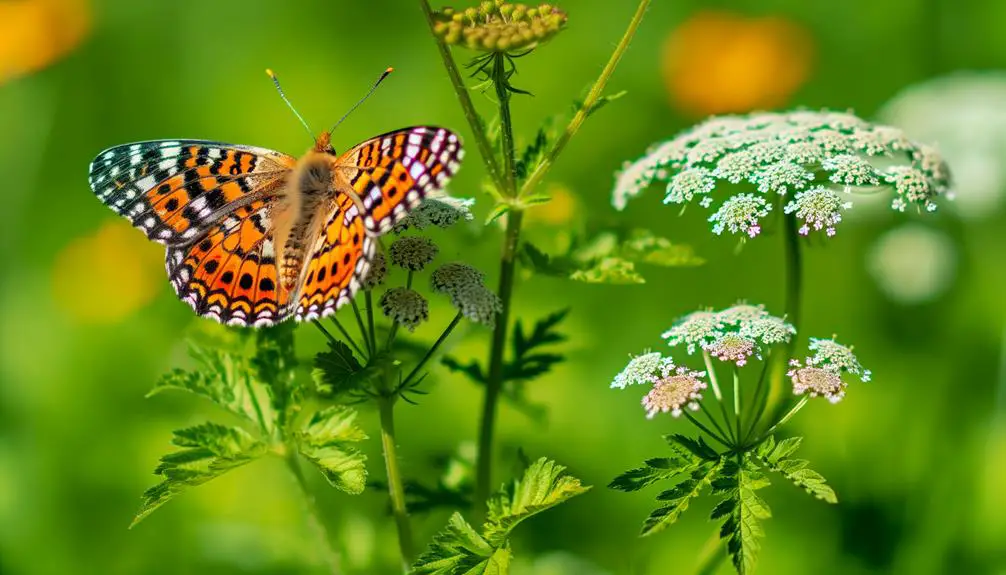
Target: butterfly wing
point(229, 273)
point(174, 190)
point(393, 172)
point(339, 258)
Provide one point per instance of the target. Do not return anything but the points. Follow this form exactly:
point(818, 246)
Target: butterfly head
point(323, 143)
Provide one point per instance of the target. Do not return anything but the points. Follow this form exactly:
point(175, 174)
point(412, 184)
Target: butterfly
point(255, 236)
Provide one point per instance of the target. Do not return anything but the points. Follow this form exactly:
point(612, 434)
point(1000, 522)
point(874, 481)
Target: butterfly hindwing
point(393, 172)
point(174, 189)
point(337, 261)
point(230, 272)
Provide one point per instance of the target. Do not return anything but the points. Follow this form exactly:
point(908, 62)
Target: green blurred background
point(918, 456)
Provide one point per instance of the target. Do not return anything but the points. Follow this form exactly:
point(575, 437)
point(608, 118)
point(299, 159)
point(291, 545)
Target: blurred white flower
point(913, 264)
point(964, 115)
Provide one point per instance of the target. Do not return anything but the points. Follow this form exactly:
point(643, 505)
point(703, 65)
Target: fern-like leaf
point(742, 510)
point(654, 470)
point(327, 440)
point(777, 458)
point(679, 497)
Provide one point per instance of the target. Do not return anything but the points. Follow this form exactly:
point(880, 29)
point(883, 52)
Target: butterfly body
point(254, 236)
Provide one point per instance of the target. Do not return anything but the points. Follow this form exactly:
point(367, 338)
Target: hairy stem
point(429, 354)
point(314, 513)
point(506, 122)
point(494, 383)
point(464, 98)
point(396, 489)
point(588, 104)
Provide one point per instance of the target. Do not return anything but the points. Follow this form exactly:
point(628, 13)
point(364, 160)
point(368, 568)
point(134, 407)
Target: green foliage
point(336, 370)
point(460, 549)
point(609, 257)
point(653, 470)
point(775, 456)
point(601, 102)
point(528, 361)
point(742, 511)
point(223, 378)
point(533, 154)
point(208, 451)
point(678, 497)
point(263, 391)
point(326, 440)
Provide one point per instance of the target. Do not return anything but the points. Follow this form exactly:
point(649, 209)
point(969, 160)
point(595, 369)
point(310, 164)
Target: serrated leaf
point(527, 363)
point(743, 510)
point(336, 370)
point(327, 440)
point(696, 447)
point(776, 457)
point(533, 153)
point(656, 469)
point(208, 451)
point(601, 102)
point(616, 271)
point(679, 497)
point(544, 485)
point(458, 549)
point(225, 379)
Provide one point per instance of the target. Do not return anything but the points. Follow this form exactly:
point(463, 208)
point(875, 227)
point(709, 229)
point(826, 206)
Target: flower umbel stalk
point(396, 490)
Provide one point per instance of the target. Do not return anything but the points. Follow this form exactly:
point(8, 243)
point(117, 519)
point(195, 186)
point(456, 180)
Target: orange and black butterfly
point(255, 236)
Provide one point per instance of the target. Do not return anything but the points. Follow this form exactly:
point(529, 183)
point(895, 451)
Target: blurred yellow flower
point(560, 210)
point(102, 278)
point(720, 62)
point(35, 33)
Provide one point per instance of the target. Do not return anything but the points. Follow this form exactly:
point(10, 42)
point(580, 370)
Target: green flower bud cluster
point(497, 26)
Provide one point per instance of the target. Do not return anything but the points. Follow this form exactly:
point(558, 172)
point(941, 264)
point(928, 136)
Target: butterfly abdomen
point(310, 190)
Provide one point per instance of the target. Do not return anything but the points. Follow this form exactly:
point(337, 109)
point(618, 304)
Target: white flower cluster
point(810, 163)
point(821, 373)
point(674, 387)
point(734, 334)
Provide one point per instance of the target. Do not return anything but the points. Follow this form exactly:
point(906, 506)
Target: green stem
point(472, 115)
point(789, 414)
point(775, 400)
point(714, 383)
point(436, 345)
point(396, 489)
point(506, 122)
point(363, 328)
point(588, 104)
point(313, 512)
point(737, 402)
point(757, 400)
point(369, 298)
point(494, 382)
point(708, 432)
point(712, 419)
point(332, 339)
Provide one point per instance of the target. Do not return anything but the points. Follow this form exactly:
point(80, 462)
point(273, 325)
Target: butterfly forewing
point(393, 172)
point(174, 189)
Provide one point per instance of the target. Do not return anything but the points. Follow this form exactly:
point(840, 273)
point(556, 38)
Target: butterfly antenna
point(279, 89)
point(363, 99)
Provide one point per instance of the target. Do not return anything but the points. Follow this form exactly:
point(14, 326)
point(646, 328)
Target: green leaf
point(327, 440)
point(679, 497)
point(528, 362)
point(225, 379)
point(657, 469)
point(601, 102)
point(544, 485)
point(459, 549)
point(497, 212)
point(336, 370)
point(777, 458)
point(742, 510)
point(533, 153)
point(682, 444)
point(472, 369)
point(535, 200)
point(208, 451)
point(275, 363)
point(609, 271)
point(644, 247)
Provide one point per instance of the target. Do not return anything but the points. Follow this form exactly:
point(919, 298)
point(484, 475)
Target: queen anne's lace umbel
point(810, 163)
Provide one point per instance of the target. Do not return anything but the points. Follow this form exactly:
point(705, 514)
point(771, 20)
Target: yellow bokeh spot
point(720, 62)
point(35, 33)
point(559, 210)
point(102, 278)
